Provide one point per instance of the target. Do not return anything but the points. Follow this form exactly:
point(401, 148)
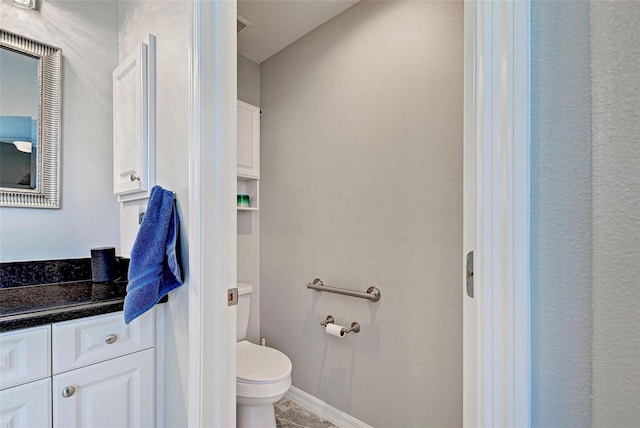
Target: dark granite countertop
point(46, 291)
point(33, 305)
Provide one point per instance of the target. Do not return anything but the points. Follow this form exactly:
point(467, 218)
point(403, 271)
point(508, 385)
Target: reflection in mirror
point(18, 120)
point(29, 122)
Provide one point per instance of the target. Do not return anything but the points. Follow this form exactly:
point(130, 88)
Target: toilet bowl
point(263, 374)
point(263, 377)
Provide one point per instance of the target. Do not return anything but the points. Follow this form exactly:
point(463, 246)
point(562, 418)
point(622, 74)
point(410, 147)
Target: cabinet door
point(115, 393)
point(24, 355)
point(130, 139)
point(26, 406)
point(248, 140)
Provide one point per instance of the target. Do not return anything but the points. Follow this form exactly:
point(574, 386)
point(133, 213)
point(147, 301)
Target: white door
point(115, 393)
point(26, 406)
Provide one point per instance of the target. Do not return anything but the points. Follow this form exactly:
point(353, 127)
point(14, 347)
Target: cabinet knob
point(68, 391)
point(111, 338)
point(134, 177)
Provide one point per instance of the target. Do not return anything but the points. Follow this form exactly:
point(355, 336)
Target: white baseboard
point(325, 411)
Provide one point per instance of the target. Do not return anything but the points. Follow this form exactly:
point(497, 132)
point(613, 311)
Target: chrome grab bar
point(372, 293)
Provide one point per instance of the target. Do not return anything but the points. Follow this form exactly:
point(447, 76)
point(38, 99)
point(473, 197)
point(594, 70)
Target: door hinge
point(470, 274)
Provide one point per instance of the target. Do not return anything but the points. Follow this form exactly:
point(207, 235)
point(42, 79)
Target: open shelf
point(249, 186)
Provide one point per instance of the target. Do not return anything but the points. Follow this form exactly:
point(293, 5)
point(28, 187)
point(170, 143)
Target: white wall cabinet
point(248, 140)
point(104, 374)
point(249, 154)
point(134, 123)
point(130, 142)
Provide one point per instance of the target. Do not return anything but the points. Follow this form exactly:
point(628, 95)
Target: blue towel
point(154, 269)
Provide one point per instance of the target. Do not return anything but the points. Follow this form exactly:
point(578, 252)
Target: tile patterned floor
point(291, 415)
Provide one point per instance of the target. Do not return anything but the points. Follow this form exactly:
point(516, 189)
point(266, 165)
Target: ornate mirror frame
point(47, 191)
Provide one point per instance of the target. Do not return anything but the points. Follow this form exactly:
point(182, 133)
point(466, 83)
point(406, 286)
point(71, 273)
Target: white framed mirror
point(30, 84)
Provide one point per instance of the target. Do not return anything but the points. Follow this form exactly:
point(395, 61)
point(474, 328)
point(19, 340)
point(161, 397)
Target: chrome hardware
point(134, 177)
point(68, 391)
point(355, 327)
point(110, 339)
point(232, 297)
point(329, 320)
point(373, 293)
point(470, 274)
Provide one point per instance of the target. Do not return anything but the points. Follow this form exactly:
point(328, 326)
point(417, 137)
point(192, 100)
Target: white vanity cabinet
point(104, 372)
point(27, 405)
point(25, 383)
point(25, 356)
point(119, 392)
point(99, 372)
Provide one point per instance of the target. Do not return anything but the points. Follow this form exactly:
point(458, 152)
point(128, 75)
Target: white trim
point(324, 410)
point(160, 356)
point(501, 137)
point(521, 211)
point(212, 214)
point(195, 269)
point(469, 367)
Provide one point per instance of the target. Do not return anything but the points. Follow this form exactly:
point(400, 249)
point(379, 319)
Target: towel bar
point(372, 293)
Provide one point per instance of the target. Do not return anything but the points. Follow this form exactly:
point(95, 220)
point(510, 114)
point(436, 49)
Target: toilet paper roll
point(335, 330)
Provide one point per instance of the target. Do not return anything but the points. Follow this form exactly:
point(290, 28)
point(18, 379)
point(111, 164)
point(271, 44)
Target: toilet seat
point(257, 364)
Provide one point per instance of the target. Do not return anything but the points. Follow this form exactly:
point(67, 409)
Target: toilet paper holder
point(355, 327)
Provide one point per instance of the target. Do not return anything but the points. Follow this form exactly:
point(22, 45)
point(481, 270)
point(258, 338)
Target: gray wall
point(87, 33)
point(249, 222)
point(585, 223)
point(615, 68)
point(248, 81)
point(361, 184)
point(561, 205)
point(169, 22)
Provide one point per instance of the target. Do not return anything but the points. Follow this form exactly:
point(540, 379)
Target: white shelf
point(249, 186)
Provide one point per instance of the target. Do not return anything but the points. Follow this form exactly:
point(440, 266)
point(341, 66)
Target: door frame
point(212, 213)
point(496, 156)
point(497, 364)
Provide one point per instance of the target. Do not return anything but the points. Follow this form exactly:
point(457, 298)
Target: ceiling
point(276, 24)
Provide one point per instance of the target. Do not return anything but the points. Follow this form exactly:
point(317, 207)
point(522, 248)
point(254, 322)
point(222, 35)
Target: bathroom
point(328, 207)
point(412, 336)
point(361, 185)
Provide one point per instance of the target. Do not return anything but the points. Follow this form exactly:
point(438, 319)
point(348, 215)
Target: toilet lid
point(259, 364)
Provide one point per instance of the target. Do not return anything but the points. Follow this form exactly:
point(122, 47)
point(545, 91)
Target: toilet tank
point(244, 304)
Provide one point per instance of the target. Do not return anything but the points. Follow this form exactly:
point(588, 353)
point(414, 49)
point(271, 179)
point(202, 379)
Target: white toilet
point(263, 374)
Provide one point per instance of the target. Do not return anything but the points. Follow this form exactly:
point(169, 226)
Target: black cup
point(103, 264)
